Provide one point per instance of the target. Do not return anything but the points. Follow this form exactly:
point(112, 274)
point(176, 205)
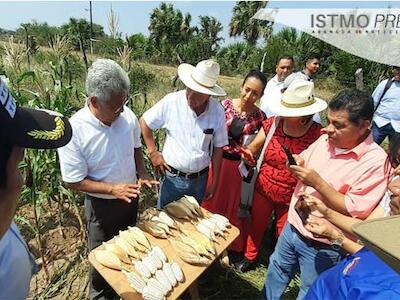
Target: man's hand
point(315, 204)
point(320, 228)
point(158, 162)
point(125, 191)
point(150, 182)
point(307, 176)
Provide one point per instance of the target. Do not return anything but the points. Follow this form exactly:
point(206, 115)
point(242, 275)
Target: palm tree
point(242, 22)
point(210, 27)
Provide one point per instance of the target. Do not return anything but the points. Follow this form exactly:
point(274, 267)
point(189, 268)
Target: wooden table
point(119, 283)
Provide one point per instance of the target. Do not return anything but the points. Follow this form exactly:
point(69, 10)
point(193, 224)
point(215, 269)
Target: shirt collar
point(358, 150)
point(92, 117)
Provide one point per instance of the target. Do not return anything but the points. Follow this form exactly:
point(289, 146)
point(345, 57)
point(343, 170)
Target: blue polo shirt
point(16, 266)
point(361, 276)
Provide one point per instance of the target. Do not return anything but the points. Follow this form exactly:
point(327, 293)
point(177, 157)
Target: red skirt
point(226, 200)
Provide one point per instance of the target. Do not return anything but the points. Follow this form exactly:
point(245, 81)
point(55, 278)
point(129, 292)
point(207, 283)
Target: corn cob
point(202, 239)
point(222, 219)
point(156, 250)
point(169, 273)
point(135, 281)
point(151, 293)
point(118, 251)
point(163, 280)
point(177, 272)
point(198, 247)
point(196, 260)
point(212, 227)
point(126, 247)
point(179, 210)
point(141, 268)
point(149, 263)
point(157, 285)
point(108, 259)
point(196, 205)
point(206, 231)
point(140, 237)
point(158, 262)
point(183, 201)
point(167, 220)
point(153, 229)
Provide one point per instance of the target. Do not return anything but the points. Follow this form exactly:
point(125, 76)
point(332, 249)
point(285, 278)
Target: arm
point(216, 167)
point(156, 158)
point(310, 177)
point(141, 170)
point(320, 228)
point(254, 148)
point(342, 221)
point(122, 191)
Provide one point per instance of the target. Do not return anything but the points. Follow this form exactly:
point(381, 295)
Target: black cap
point(31, 128)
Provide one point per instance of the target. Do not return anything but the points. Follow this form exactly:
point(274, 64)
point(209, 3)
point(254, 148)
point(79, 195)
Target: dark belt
point(310, 242)
point(188, 175)
point(231, 156)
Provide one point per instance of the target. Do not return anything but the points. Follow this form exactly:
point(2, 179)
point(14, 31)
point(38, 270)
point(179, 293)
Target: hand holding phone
point(291, 160)
point(302, 210)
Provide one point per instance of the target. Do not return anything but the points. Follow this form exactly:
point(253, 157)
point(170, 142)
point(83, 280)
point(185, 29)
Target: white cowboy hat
point(202, 78)
point(298, 100)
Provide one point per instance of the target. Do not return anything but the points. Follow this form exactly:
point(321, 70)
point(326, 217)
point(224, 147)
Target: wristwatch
point(338, 242)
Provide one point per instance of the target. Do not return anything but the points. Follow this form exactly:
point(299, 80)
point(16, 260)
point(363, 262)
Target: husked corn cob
point(157, 285)
point(167, 220)
point(156, 250)
point(196, 260)
point(108, 259)
point(177, 272)
point(212, 227)
point(222, 219)
point(156, 260)
point(151, 293)
point(170, 274)
point(179, 210)
point(126, 247)
point(189, 206)
point(163, 280)
point(200, 249)
point(135, 281)
point(153, 229)
point(148, 261)
point(118, 251)
point(202, 239)
point(206, 231)
point(141, 268)
point(192, 200)
point(140, 237)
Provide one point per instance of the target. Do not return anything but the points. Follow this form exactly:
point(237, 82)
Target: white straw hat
point(298, 100)
point(202, 78)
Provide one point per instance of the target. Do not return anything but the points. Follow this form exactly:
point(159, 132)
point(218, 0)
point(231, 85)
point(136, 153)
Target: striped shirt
point(184, 145)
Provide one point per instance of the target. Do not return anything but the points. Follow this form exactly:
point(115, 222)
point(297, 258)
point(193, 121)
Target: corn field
point(51, 216)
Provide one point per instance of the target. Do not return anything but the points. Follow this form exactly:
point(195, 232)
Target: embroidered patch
point(351, 266)
point(54, 134)
point(7, 100)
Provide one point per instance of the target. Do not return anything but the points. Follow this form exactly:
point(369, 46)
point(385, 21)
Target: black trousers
point(105, 218)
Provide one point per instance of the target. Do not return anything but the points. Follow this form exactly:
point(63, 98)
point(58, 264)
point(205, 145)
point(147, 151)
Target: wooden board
point(119, 283)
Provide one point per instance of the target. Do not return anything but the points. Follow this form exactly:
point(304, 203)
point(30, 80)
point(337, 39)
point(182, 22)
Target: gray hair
point(106, 78)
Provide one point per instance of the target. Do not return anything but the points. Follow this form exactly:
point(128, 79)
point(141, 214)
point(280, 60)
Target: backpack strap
point(385, 89)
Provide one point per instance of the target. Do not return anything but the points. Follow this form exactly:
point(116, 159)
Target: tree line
point(174, 39)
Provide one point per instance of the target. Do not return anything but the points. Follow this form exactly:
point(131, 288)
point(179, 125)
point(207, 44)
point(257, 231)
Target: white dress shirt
point(183, 148)
point(272, 91)
point(100, 152)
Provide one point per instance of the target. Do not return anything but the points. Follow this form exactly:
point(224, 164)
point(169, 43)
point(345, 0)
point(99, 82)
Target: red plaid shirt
point(253, 123)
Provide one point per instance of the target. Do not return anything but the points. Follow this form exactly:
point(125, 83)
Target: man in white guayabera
point(104, 158)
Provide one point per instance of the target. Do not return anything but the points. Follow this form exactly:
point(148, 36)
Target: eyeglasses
point(119, 110)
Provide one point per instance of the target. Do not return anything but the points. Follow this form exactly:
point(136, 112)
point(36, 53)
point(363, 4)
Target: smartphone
point(302, 210)
point(289, 155)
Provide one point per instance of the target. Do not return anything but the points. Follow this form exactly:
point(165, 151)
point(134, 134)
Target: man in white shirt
point(104, 158)
point(196, 132)
point(284, 68)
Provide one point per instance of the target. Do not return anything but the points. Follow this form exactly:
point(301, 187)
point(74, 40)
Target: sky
point(134, 16)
